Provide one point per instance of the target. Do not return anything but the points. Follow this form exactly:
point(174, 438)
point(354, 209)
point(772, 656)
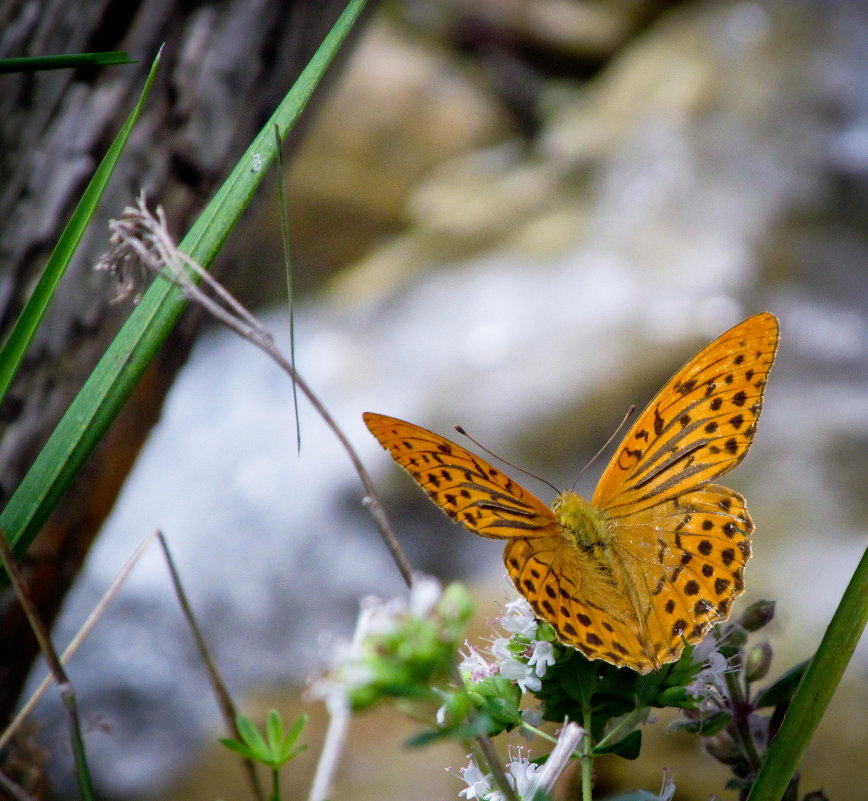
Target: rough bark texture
point(225, 66)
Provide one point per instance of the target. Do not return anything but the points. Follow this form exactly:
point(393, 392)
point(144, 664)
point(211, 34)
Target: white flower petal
point(543, 655)
point(424, 595)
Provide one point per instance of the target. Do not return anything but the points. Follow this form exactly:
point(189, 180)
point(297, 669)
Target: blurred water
point(690, 222)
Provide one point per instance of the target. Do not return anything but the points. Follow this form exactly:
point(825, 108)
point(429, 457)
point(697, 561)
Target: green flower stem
point(539, 733)
point(587, 757)
point(741, 711)
point(275, 784)
point(82, 770)
point(481, 747)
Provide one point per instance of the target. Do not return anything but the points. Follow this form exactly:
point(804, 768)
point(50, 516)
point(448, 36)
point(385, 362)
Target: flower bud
point(735, 639)
point(758, 661)
point(757, 615)
point(456, 604)
point(724, 749)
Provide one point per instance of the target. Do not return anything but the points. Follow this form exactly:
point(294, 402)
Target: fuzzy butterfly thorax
point(581, 520)
point(657, 556)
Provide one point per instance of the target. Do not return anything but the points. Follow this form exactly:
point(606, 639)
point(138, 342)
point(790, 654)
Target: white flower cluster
point(709, 686)
point(526, 668)
point(527, 779)
point(377, 617)
point(520, 773)
point(385, 617)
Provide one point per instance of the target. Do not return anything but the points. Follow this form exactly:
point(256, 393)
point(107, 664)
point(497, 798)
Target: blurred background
point(521, 216)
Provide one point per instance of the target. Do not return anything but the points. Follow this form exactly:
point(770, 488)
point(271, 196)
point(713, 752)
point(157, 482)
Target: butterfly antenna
point(605, 445)
point(478, 444)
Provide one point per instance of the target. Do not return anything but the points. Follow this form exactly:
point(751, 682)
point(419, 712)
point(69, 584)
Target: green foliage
point(408, 651)
point(714, 692)
point(627, 747)
point(780, 692)
point(22, 333)
point(63, 61)
point(113, 379)
point(808, 702)
point(273, 750)
point(576, 688)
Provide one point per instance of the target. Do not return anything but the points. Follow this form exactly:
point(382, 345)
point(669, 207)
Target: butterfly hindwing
point(686, 575)
point(585, 604)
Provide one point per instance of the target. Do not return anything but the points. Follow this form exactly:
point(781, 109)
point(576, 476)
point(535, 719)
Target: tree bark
point(224, 67)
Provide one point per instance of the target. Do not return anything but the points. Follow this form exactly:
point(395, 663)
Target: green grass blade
point(19, 339)
point(125, 360)
point(815, 689)
point(65, 61)
point(290, 293)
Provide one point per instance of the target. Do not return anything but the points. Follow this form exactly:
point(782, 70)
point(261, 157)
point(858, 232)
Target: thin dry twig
point(12, 790)
point(224, 700)
point(67, 691)
point(79, 638)
point(140, 232)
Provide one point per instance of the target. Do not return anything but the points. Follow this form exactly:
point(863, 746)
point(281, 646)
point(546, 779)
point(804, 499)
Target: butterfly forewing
point(467, 488)
point(698, 426)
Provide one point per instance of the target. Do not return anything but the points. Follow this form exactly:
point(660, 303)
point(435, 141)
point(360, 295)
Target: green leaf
point(239, 748)
point(704, 727)
point(781, 691)
point(277, 750)
point(284, 751)
point(428, 737)
point(64, 61)
point(274, 732)
point(675, 697)
point(116, 374)
point(295, 731)
point(815, 690)
point(628, 747)
point(250, 736)
point(21, 335)
point(482, 724)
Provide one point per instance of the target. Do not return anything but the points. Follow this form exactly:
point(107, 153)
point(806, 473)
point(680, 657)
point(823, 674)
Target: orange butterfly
point(658, 554)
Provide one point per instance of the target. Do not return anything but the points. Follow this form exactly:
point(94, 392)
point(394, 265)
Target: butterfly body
point(582, 522)
point(658, 554)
